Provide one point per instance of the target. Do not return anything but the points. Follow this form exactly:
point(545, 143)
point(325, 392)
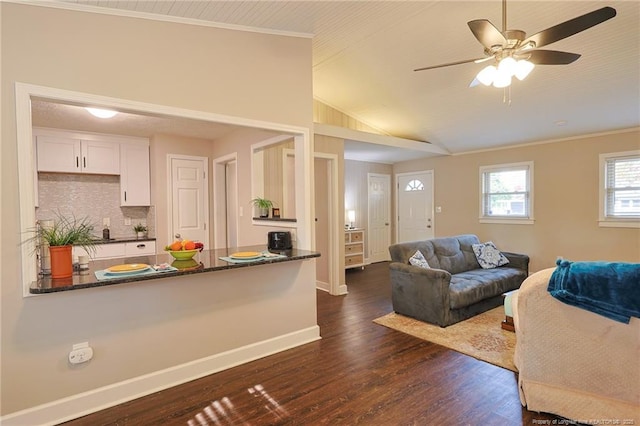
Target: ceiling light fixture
point(101, 113)
point(508, 67)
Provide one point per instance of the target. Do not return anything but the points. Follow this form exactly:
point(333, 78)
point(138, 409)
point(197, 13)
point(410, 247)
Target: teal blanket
point(611, 289)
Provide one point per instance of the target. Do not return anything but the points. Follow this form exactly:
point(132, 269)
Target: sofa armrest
point(420, 293)
point(428, 273)
point(517, 260)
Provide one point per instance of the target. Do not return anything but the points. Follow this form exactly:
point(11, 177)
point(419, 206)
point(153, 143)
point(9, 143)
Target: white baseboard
point(321, 285)
point(108, 396)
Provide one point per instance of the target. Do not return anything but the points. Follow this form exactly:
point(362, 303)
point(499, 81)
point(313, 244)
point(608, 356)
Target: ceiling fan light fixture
point(101, 113)
point(487, 75)
point(502, 79)
point(523, 68)
point(508, 65)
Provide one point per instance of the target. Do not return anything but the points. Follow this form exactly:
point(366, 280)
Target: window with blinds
point(506, 192)
point(621, 186)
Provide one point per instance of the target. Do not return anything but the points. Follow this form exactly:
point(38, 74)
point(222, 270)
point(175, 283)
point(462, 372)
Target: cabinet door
point(135, 181)
point(58, 154)
point(101, 157)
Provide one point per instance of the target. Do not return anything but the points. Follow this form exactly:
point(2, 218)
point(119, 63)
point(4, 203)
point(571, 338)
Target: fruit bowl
point(183, 254)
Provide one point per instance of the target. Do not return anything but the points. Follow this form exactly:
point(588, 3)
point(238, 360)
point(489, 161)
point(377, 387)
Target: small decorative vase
point(264, 212)
point(141, 235)
point(61, 261)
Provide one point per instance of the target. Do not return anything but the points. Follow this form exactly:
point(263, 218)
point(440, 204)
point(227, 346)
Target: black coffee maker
point(279, 240)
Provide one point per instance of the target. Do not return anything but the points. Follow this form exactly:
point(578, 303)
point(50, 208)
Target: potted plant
point(141, 230)
point(60, 237)
point(263, 206)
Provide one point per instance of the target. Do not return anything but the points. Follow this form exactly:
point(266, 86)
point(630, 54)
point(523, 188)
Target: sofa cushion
point(454, 254)
point(470, 287)
point(488, 255)
point(418, 260)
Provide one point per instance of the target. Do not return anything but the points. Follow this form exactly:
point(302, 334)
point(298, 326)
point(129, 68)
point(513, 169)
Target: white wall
point(142, 328)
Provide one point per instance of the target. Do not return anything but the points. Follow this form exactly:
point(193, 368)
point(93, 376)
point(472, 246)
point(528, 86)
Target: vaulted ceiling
point(364, 54)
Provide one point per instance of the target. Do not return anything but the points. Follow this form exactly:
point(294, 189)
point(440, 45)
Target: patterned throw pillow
point(488, 255)
point(418, 260)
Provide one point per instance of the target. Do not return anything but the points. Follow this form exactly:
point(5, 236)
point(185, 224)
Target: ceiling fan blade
point(552, 57)
point(475, 82)
point(466, 61)
point(571, 27)
point(486, 33)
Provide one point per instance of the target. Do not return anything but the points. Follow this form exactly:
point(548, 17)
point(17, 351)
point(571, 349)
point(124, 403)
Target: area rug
point(481, 336)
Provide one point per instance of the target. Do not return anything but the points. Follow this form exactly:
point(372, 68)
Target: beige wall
point(565, 195)
point(141, 328)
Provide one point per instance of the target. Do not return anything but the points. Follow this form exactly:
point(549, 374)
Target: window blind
point(622, 187)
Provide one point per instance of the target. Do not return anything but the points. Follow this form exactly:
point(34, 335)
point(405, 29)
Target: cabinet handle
point(141, 246)
point(84, 162)
point(125, 195)
point(77, 162)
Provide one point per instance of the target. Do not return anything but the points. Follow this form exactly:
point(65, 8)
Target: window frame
point(603, 219)
point(528, 218)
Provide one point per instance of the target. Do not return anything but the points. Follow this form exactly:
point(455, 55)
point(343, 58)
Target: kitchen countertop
point(122, 240)
point(205, 261)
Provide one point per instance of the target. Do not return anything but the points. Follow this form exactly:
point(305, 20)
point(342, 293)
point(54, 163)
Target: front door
point(415, 206)
point(379, 217)
point(189, 198)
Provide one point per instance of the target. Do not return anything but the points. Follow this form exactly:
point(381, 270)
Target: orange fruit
point(190, 245)
point(176, 245)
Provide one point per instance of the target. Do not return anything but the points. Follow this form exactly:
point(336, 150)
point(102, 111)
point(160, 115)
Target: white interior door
point(415, 206)
point(231, 197)
point(379, 229)
point(189, 198)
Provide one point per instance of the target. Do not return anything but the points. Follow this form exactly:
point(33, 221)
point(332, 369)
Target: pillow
point(418, 260)
point(488, 255)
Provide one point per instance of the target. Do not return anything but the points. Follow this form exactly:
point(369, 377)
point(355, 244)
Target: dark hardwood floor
point(359, 373)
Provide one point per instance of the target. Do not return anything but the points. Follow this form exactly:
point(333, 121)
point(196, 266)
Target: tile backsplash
point(94, 196)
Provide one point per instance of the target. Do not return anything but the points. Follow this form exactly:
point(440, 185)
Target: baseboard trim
point(79, 405)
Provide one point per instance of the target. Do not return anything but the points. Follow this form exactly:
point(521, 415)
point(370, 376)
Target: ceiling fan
point(514, 54)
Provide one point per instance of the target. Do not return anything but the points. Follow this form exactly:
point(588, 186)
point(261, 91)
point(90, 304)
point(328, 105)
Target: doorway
point(379, 217)
point(415, 206)
point(225, 201)
point(326, 224)
point(188, 199)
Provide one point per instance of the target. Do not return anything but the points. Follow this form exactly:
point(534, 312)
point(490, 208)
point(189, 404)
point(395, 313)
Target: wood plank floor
point(359, 373)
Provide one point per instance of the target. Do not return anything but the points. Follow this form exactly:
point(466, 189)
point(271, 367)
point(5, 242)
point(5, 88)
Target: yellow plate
point(129, 267)
point(246, 255)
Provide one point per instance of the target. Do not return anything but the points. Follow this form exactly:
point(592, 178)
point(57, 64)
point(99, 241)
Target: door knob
point(177, 235)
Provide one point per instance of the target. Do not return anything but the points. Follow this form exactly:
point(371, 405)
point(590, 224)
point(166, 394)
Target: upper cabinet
point(135, 183)
point(63, 151)
point(72, 155)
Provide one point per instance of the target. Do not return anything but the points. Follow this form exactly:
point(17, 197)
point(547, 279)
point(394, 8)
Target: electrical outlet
point(438, 209)
point(80, 353)
point(106, 221)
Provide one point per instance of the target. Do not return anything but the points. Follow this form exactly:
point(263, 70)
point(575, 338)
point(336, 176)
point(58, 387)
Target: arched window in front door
point(414, 185)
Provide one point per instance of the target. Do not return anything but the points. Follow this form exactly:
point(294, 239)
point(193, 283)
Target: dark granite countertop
point(206, 261)
point(122, 240)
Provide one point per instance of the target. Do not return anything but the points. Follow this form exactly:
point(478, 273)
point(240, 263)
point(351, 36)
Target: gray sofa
point(456, 287)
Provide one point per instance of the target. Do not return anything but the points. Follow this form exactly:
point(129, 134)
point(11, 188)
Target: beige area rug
point(481, 337)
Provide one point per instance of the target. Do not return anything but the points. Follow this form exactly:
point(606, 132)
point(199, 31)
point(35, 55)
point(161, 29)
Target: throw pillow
point(418, 260)
point(488, 255)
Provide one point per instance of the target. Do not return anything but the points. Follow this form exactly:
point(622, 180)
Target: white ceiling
point(364, 53)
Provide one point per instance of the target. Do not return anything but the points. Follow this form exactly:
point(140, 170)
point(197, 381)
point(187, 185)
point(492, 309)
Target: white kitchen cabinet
point(135, 182)
point(102, 251)
point(71, 155)
point(118, 250)
point(140, 248)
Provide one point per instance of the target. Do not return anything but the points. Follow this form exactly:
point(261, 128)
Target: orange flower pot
point(61, 261)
